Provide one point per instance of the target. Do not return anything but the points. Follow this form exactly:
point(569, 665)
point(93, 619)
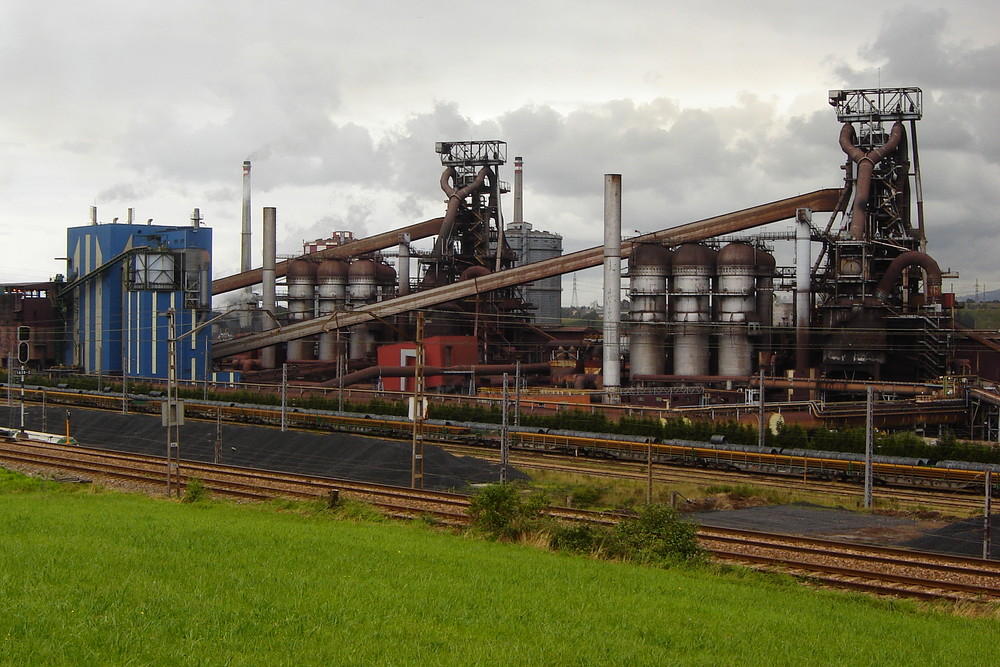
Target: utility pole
point(504, 433)
point(760, 415)
point(125, 379)
point(869, 446)
point(218, 437)
point(987, 509)
point(649, 472)
point(417, 408)
point(340, 374)
point(172, 415)
point(284, 397)
point(517, 393)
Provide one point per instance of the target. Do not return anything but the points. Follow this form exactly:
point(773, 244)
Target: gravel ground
point(341, 455)
point(964, 538)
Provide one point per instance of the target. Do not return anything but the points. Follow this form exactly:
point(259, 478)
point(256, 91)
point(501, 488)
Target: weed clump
point(195, 491)
point(503, 512)
point(654, 535)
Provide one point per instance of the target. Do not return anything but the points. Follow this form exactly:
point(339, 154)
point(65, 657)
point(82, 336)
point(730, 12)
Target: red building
point(440, 352)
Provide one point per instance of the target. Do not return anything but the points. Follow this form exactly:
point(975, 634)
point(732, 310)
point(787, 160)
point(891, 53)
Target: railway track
point(664, 474)
point(880, 570)
point(856, 567)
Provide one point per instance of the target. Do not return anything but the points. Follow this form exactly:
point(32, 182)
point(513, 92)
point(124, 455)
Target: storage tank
point(331, 279)
point(361, 283)
point(690, 303)
point(648, 268)
point(362, 289)
point(301, 282)
point(385, 277)
point(736, 266)
point(766, 267)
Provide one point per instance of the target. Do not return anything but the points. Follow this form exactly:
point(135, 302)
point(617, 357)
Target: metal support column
point(417, 408)
point(504, 432)
point(869, 446)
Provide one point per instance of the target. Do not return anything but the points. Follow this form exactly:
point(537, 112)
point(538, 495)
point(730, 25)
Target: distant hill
point(992, 295)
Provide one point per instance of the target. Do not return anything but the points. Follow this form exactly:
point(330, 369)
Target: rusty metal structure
point(709, 304)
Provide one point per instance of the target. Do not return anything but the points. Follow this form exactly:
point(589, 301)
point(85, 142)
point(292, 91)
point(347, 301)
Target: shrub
point(656, 535)
point(578, 539)
point(194, 491)
point(503, 512)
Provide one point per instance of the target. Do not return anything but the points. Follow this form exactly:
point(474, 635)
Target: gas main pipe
point(456, 198)
point(932, 287)
point(866, 165)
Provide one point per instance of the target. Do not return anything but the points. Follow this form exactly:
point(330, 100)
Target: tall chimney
point(93, 215)
point(612, 286)
point(131, 216)
point(245, 264)
point(518, 190)
point(267, 354)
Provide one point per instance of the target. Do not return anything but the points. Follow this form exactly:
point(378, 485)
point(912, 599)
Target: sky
point(702, 107)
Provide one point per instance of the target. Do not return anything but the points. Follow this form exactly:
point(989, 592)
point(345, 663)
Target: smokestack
point(131, 216)
point(267, 355)
point(803, 237)
point(245, 264)
point(195, 218)
point(518, 190)
point(612, 286)
point(93, 215)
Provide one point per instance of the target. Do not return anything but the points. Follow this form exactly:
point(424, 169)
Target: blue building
point(124, 279)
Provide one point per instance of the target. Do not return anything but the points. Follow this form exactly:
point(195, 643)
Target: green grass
point(95, 578)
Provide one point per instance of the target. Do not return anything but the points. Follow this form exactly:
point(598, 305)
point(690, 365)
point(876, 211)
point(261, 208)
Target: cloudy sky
point(703, 107)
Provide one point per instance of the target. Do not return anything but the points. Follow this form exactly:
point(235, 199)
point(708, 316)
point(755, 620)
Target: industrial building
point(716, 310)
point(129, 290)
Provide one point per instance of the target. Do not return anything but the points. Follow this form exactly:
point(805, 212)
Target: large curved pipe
point(456, 198)
point(866, 165)
point(932, 288)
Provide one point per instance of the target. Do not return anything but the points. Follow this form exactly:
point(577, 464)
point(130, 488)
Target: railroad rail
point(819, 467)
point(857, 567)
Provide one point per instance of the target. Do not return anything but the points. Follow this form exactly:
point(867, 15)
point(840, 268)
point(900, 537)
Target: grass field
point(100, 578)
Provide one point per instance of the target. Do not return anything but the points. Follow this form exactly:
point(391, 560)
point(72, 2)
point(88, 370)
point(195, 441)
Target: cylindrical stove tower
point(331, 280)
point(690, 303)
point(362, 289)
point(736, 265)
point(648, 268)
point(301, 282)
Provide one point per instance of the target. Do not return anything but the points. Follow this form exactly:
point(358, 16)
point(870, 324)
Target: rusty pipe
point(456, 199)
point(866, 165)
point(932, 287)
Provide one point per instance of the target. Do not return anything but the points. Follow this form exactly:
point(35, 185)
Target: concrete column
point(803, 237)
point(267, 355)
point(612, 286)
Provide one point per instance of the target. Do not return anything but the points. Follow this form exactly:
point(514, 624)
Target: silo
point(361, 283)
point(331, 278)
point(362, 289)
point(301, 282)
point(737, 305)
point(765, 287)
point(690, 301)
point(385, 278)
point(648, 268)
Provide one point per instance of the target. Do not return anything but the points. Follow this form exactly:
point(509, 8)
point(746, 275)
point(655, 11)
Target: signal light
point(23, 333)
point(23, 353)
